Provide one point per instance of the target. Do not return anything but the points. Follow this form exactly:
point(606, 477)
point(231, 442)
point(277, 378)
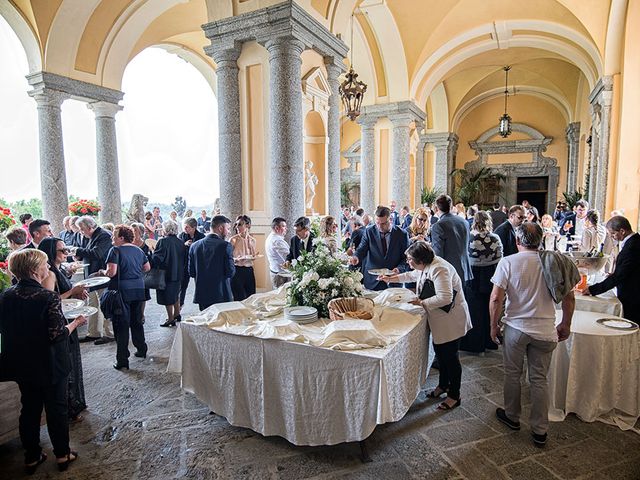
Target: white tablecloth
point(595, 373)
point(604, 303)
point(309, 395)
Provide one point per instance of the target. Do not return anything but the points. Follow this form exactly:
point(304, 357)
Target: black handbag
point(429, 290)
point(154, 279)
point(111, 302)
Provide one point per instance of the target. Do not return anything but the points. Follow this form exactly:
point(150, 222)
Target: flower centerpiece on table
point(84, 207)
point(319, 277)
point(6, 219)
point(5, 278)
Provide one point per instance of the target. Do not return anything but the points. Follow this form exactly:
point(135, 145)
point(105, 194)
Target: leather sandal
point(71, 457)
point(436, 393)
point(30, 468)
point(445, 406)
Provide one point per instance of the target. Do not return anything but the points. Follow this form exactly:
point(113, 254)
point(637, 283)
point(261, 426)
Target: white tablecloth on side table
point(606, 302)
point(595, 373)
point(309, 395)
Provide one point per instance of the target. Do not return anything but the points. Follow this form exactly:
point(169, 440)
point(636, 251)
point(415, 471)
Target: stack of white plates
point(301, 314)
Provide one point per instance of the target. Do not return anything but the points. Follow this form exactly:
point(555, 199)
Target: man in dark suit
point(38, 229)
point(507, 232)
point(189, 236)
point(498, 217)
point(405, 218)
point(211, 264)
point(204, 222)
point(95, 253)
point(395, 216)
point(302, 240)
point(382, 246)
point(573, 223)
point(626, 275)
point(450, 238)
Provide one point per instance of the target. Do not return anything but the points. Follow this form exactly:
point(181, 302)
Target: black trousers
point(54, 399)
point(184, 284)
point(450, 368)
point(130, 319)
point(243, 283)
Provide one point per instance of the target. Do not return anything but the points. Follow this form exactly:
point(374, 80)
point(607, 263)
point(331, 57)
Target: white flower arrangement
point(319, 277)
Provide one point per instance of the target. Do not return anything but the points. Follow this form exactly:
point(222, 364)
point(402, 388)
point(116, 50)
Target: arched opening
point(315, 164)
point(167, 131)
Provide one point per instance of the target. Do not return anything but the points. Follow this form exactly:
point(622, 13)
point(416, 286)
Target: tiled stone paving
point(140, 425)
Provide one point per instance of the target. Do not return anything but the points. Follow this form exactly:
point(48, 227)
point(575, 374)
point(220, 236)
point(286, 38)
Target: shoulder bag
point(111, 302)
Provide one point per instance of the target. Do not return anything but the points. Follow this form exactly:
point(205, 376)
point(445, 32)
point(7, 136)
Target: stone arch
point(191, 57)
point(315, 163)
point(25, 34)
point(439, 111)
point(515, 127)
point(580, 51)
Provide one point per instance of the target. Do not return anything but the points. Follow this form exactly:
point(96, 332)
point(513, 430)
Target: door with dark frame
point(535, 190)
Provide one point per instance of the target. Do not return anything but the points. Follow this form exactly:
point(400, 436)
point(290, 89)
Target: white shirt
point(529, 307)
point(621, 244)
point(580, 225)
point(277, 250)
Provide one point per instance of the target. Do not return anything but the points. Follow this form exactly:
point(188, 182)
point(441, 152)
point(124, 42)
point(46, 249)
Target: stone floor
point(140, 425)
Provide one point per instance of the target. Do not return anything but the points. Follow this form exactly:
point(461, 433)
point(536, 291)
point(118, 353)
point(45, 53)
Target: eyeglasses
point(520, 217)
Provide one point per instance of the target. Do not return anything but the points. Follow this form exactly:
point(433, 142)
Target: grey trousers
point(98, 326)
point(277, 281)
point(538, 352)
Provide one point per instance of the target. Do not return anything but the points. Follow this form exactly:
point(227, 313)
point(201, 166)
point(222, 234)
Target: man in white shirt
point(277, 250)
point(530, 329)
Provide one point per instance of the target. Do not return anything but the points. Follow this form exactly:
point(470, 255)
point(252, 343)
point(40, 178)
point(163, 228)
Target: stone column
point(600, 99)
point(573, 143)
point(285, 116)
point(368, 163)
point(446, 145)
point(53, 180)
point(400, 167)
point(419, 171)
point(333, 132)
point(107, 161)
point(229, 146)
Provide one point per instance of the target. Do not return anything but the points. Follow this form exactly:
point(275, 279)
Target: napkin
point(351, 335)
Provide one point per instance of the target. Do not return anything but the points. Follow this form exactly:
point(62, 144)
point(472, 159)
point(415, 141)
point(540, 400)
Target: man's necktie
point(383, 239)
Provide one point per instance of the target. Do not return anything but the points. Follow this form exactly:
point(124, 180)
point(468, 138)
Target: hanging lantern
point(352, 92)
point(505, 120)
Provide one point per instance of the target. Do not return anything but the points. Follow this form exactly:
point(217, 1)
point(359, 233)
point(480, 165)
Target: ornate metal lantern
point(352, 92)
point(505, 120)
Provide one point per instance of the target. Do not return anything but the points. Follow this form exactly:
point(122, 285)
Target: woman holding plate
point(440, 293)
point(243, 283)
point(57, 281)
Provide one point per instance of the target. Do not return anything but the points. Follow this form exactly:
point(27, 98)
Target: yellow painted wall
point(260, 266)
point(255, 135)
point(349, 133)
point(626, 192)
point(531, 111)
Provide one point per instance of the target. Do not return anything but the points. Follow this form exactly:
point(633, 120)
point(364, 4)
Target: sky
point(167, 132)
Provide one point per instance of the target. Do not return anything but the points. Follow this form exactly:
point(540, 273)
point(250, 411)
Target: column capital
point(573, 132)
point(335, 67)
point(73, 88)
point(395, 109)
point(604, 84)
point(46, 97)
point(401, 120)
point(440, 140)
point(224, 56)
point(284, 46)
point(104, 109)
point(367, 122)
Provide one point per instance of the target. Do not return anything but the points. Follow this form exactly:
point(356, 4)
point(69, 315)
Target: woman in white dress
point(440, 293)
point(328, 230)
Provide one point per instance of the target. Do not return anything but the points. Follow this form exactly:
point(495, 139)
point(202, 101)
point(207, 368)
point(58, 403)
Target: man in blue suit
point(450, 238)
point(211, 264)
point(382, 246)
point(395, 216)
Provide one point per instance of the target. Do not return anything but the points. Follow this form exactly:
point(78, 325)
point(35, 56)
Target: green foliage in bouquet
point(319, 277)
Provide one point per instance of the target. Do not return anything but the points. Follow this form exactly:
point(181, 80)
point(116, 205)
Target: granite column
point(229, 147)
point(419, 172)
point(368, 164)
point(600, 99)
point(333, 131)
point(573, 146)
point(107, 161)
point(400, 167)
point(285, 115)
point(53, 179)
point(446, 145)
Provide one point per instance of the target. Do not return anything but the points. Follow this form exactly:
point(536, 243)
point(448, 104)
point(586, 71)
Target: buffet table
point(606, 302)
point(267, 375)
point(595, 373)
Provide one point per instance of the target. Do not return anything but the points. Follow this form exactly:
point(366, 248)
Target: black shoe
point(168, 323)
point(502, 416)
point(117, 366)
point(140, 354)
point(103, 340)
point(71, 457)
point(88, 339)
point(539, 440)
point(31, 469)
point(178, 318)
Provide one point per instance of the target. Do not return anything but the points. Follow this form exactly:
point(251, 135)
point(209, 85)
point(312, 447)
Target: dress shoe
point(502, 416)
point(178, 318)
point(168, 323)
point(539, 439)
point(88, 339)
point(71, 457)
point(140, 354)
point(103, 340)
point(117, 366)
point(31, 468)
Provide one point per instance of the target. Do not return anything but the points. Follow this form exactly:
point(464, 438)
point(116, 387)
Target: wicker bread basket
point(351, 307)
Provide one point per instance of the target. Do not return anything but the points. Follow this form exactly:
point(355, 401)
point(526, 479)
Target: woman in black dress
point(35, 354)
point(169, 256)
point(57, 281)
point(138, 241)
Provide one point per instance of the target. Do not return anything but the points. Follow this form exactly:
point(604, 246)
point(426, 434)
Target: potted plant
point(84, 207)
point(470, 184)
point(428, 195)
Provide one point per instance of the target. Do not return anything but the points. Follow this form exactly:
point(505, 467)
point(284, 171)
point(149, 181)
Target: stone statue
point(216, 207)
point(136, 209)
point(311, 180)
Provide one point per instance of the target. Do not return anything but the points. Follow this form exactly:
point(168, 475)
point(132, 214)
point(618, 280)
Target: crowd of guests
point(471, 270)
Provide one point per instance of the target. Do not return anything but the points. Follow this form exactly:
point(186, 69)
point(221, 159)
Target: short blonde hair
point(22, 263)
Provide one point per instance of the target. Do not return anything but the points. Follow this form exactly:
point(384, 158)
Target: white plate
point(93, 282)
point(381, 271)
point(617, 323)
point(301, 311)
point(69, 304)
point(86, 311)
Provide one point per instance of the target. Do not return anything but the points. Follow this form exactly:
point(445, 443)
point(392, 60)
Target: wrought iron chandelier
point(351, 89)
point(505, 120)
